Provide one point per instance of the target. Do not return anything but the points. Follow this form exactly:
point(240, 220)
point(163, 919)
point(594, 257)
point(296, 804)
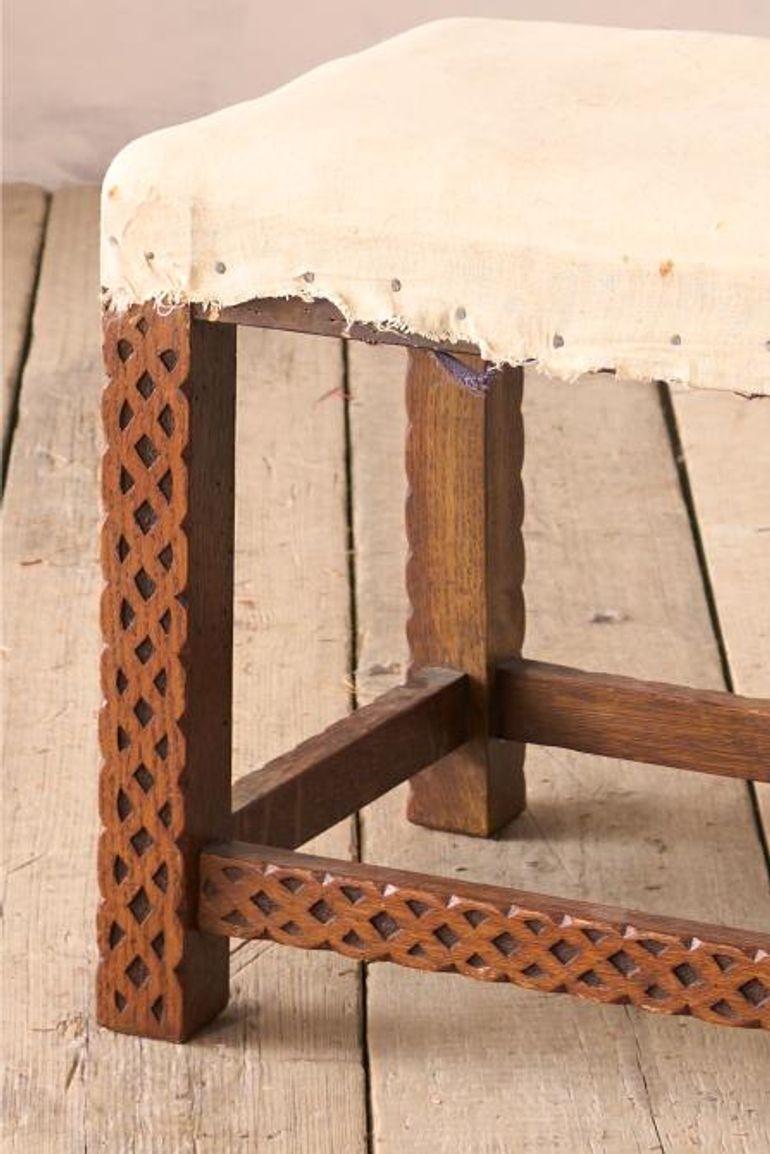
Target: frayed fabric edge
point(166, 303)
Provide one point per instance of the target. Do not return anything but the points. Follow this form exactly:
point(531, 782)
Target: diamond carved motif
point(386, 917)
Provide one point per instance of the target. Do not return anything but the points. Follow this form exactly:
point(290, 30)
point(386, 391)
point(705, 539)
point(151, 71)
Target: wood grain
point(372, 913)
point(330, 776)
point(321, 318)
point(611, 585)
point(279, 1073)
point(647, 721)
point(24, 213)
point(51, 586)
point(724, 442)
point(464, 574)
point(168, 483)
point(289, 1073)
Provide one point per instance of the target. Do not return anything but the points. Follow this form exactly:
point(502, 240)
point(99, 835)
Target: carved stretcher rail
point(370, 913)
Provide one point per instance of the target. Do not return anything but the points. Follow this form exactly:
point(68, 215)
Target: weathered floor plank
point(282, 1068)
point(24, 212)
point(612, 584)
point(50, 700)
point(726, 446)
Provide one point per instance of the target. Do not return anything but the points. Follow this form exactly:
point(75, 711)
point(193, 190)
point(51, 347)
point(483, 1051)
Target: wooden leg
point(167, 620)
point(464, 576)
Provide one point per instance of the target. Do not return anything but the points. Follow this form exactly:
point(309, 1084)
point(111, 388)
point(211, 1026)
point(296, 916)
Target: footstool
point(490, 194)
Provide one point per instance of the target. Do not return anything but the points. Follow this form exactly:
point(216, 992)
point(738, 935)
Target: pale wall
point(82, 77)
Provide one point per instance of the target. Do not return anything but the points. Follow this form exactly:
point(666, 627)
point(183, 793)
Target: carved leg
point(167, 621)
point(464, 576)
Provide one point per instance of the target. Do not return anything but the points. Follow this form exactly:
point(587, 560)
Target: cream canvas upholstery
point(584, 198)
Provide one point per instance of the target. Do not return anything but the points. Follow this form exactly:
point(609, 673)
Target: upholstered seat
point(584, 198)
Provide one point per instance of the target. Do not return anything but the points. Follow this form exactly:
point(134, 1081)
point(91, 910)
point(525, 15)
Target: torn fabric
point(581, 198)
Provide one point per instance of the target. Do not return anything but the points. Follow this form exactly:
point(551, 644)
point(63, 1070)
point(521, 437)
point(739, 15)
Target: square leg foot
point(476, 790)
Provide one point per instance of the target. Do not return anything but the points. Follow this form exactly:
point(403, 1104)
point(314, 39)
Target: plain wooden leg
point(464, 576)
point(167, 619)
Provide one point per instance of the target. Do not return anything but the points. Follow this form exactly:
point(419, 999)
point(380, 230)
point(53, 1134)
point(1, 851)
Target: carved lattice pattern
point(421, 923)
point(144, 622)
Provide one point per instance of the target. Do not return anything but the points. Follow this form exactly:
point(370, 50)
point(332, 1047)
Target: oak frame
point(174, 889)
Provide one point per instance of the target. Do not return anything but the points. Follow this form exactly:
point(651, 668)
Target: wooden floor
point(648, 538)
